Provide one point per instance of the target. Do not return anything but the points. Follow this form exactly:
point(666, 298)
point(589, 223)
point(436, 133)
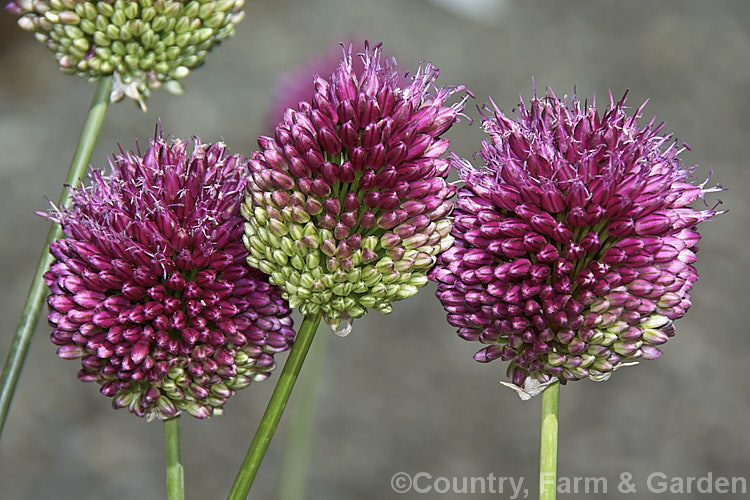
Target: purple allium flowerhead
point(574, 243)
point(144, 44)
point(150, 286)
point(348, 202)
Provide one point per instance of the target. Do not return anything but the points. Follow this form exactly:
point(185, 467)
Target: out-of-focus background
point(402, 392)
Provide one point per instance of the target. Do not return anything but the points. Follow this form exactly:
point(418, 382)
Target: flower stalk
point(548, 443)
point(301, 426)
point(276, 405)
point(35, 298)
point(175, 474)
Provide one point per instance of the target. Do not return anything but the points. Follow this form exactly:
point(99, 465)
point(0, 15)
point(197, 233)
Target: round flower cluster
point(144, 43)
point(574, 244)
point(151, 289)
point(348, 204)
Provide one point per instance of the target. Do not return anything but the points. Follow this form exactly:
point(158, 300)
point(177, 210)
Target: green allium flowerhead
point(348, 204)
point(144, 43)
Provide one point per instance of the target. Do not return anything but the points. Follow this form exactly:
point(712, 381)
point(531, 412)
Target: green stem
point(301, 425)
point(175, 475)
point(34, 300)
point(276, 405)
point(548, 451)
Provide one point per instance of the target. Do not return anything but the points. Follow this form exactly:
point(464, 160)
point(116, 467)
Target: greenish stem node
point(548, 448)
point(175, 473)
point(35, 298)
point(275, 408)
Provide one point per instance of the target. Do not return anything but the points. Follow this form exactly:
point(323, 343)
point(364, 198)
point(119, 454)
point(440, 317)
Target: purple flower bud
point(652, 224)
point(329, 141)
point(552, 200)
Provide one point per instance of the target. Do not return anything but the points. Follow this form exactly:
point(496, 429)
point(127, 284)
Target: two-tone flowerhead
point(143, 43)
point(348, 204)
point(574, 244)
point(150, 286)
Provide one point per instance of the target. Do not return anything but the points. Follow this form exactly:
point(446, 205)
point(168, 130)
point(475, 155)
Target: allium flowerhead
point(348, 204)
point(150, 286)
point(574, 243)
point(144, 43)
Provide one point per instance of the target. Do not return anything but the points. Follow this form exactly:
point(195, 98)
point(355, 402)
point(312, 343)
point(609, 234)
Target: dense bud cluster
point(348, 204)
point(143, 43)
point(151, 289)
point(574, 244)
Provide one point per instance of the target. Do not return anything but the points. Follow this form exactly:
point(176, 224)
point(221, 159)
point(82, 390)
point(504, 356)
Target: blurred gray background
point(402, 392)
